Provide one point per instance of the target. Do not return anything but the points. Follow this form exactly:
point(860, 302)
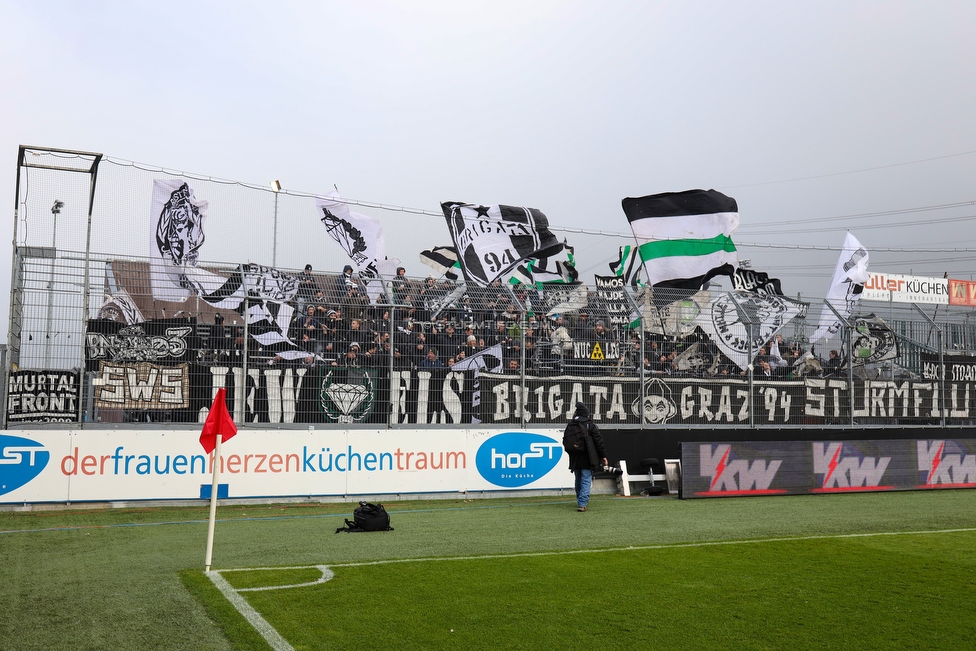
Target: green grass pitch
point(865, 571)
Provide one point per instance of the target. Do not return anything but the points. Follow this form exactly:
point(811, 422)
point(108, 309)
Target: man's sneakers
point(581, 509)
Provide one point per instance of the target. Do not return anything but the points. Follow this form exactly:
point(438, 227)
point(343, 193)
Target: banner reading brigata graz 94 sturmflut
point(689, 401)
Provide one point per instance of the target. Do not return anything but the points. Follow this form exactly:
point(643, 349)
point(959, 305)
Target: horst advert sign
point(804, 467)
point(113, 465)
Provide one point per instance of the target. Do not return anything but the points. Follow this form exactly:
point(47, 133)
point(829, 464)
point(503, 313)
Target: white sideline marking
point(278, 643)
point(252, 616)
point(714, 543)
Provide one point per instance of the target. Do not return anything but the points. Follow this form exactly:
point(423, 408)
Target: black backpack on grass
point(368, 517)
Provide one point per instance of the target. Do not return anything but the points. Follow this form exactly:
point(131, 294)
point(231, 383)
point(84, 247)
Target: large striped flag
point(684, 238)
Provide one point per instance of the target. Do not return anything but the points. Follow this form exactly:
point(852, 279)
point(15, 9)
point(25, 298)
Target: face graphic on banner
point(179, 234)
point(658, 407)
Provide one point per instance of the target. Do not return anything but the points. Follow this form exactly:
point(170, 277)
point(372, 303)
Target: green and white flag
point(684, 238)
point(628, 266)
point(558, 266)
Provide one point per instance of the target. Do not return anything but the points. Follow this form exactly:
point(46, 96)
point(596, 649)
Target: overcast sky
point(815, 116)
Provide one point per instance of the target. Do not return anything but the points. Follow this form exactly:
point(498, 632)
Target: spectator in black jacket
point(583, 464)
point(833, 364)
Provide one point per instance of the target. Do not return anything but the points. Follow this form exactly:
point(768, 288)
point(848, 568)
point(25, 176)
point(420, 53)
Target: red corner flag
point(218, 422)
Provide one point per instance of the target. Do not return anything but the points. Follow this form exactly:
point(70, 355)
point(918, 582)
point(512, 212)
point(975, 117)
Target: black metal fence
point(90, 341)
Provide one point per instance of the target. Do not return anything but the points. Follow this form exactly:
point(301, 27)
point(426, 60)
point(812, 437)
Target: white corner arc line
point(327, 575)
point(260, 624)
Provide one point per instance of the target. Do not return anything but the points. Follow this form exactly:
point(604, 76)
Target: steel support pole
point(941, 362)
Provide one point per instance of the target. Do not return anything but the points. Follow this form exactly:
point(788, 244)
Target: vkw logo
point(20, 461)
point(515, 459)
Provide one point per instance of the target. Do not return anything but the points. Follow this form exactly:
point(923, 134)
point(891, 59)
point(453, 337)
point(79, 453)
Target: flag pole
point(213, 503)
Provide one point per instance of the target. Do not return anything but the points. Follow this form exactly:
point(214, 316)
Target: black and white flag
point(846, 286)
point(490, 360)
point(443, 260)
point(263, 292)
point(564, 299)
point(696, 358)
point(731, 317)
point(747, 280)
point(491, 240)
point(873, 341)
point(120, 307)
point(176, 219)
point(444, 302)
point(678, 318)
point(361, 237)
point(628, 266)
point(557, 267)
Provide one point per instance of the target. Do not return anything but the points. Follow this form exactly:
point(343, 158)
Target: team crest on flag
point(491, 240)
point(684, 238)
point(873, 341)
point(732, 317)
point(176, 224)
point(679, 317)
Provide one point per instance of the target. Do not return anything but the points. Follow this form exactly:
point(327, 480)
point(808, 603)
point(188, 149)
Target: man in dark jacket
point(584, 463)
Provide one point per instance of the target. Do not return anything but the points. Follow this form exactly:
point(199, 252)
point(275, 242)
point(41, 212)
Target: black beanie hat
point(581, 410)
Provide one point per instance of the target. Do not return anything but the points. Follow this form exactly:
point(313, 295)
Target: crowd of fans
point(335, 324)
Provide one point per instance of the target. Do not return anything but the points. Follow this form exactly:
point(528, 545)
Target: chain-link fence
point(102, 333)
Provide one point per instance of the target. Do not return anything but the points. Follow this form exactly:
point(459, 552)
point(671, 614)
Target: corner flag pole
point(213, 504)
point(218, 426)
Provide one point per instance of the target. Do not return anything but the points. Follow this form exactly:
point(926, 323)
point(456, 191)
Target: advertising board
point(962, 292)
point(736, 469)
point(899, 288)
point(120, 465)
